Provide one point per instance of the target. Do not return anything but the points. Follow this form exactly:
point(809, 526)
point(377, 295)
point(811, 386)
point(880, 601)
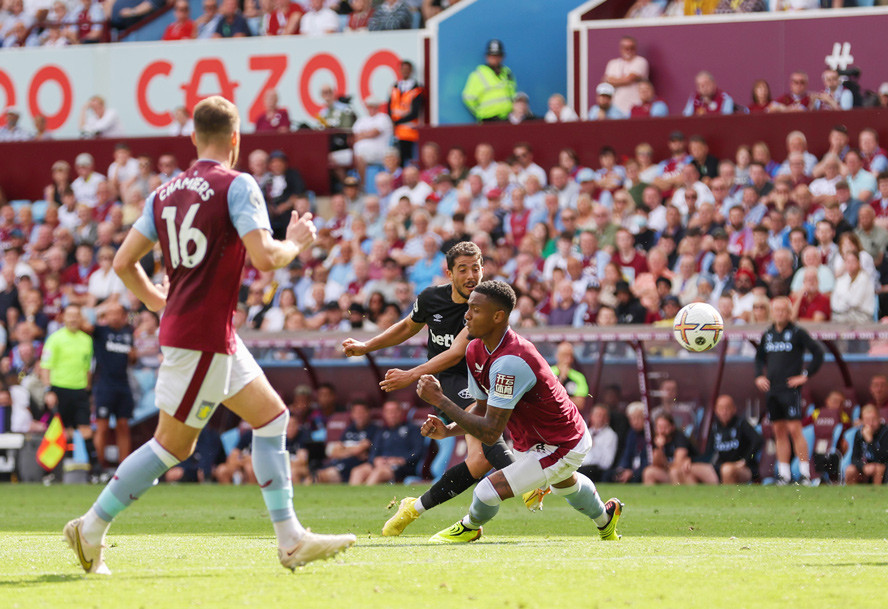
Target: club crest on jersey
point(465, 394)
point(504, 385)
point(204, 411)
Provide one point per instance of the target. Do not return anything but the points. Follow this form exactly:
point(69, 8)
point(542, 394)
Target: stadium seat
point(19, 203)
point(336, 425)
point(846, 458)
point(229, 439)
point(370, 178)
point(38, 210)
point(442, 459)
point(145, 408)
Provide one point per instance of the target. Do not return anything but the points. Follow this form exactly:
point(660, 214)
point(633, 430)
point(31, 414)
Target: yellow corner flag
point(54, 445)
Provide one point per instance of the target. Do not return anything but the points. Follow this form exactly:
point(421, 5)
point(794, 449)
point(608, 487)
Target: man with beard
point(442, 309)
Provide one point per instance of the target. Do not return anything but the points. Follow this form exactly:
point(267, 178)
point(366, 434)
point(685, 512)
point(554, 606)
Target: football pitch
point(211, 546)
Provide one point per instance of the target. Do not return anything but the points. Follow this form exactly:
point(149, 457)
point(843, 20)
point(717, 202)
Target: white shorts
point(190, 384)
point(544, 465)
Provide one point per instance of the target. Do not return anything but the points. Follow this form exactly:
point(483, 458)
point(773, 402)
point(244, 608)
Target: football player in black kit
point(442, 309)
point(782, 353)
point(733, 443)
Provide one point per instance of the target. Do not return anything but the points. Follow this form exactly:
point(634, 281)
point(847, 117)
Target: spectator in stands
point(390, 15)
point(628, 310)
point(168, 168)
point(59, 183)
point(708, 98)
point(124, 168)
point(359, 19)
point(854, 298)
point(741, 6)
point(733, 443)
point(282, 19)
point(761, 96)
point(521, 109)
point(797, 99)
point(834, 96)
point(97, 120)
point(634, 459)
point(871, 154)
point(284, 187)
point(86, 184)
point(649, 104)
point(603, 109)
point(598, 462)
point(673, 457)
point(559, 111)
point(624, 74)
point(870, 231)
point(869, 452)
point(372, 134)
point(209, 20)
point(396, 452)
point(645, 9)
point(104, 285)
point(232, 23)
point(797, 144)
point(90, 21)
point(404, 108)
point(352, 449)
point(573, 381)
point(808, 302)
point(318, 20)
point(183, 28)
point(275, 118)
point(490, 88)
point(182, 124)
point(11, 132)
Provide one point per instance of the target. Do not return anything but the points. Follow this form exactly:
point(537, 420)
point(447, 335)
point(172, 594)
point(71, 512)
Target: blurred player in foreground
point(206, 219)
point(514, 387)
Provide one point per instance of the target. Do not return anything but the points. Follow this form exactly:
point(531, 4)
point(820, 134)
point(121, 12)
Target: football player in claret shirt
point(442, 309)
point(514, 387)
point(207, 219)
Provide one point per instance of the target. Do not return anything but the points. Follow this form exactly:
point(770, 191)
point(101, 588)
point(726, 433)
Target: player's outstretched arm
point(267, 254)
point(395, 335)
point(487, 428)
point(126, 265)
point(398, 379)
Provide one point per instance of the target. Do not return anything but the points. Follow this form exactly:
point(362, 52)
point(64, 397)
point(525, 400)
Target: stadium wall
point(736, 49)
point(25, 177)
point(145, 82)
point(533, 33)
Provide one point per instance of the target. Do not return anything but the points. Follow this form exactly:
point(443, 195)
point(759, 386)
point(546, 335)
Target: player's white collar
point(499, 344)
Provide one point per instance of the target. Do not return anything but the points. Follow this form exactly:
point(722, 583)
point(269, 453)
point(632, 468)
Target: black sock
point(91, 452)
point(498, 455)
point(455, 480)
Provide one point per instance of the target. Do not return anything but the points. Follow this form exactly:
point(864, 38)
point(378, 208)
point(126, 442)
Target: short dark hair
point(463, 248)
point(499, 292)
point(883, 175)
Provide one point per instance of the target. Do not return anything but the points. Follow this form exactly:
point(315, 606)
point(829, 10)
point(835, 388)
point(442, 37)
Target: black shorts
point(456, 389)
point(116, 399)
point(784, 404)
point(73, 406)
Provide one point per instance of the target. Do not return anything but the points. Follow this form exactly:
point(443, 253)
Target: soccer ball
point(698, 327)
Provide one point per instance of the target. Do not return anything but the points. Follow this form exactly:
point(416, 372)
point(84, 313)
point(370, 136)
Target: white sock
point(94, 528)
point(805, 469)
point(288, 532)
point(418, 506)
point(784, 471)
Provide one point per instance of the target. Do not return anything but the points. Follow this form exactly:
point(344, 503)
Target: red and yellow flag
point(54, 445)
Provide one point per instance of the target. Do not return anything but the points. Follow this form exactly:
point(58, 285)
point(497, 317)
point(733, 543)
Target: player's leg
point(256, 402)
point(580, 493)
point(800, 444)
point(655, 475)
point(704, 473)
point(784, 450)
point(123, 413)
point(100, 437)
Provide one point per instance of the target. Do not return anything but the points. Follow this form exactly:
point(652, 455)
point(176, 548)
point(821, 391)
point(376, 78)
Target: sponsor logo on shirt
point(504, 385)
point(437, 318)
point(445, 340)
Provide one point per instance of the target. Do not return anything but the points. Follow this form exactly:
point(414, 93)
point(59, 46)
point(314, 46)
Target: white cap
point(604, 88)
point(84, 159)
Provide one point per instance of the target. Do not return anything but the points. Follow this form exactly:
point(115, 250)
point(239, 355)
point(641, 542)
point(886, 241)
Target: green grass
point(210, 546)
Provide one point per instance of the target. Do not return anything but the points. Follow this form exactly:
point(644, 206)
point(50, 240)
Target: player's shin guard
point(498, 454)
point(271, 463)
point(583, 497)
point(455, 481)
point(133, 477)
point(485, 505)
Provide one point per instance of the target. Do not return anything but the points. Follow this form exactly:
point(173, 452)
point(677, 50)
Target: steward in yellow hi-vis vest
point(490, 89)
